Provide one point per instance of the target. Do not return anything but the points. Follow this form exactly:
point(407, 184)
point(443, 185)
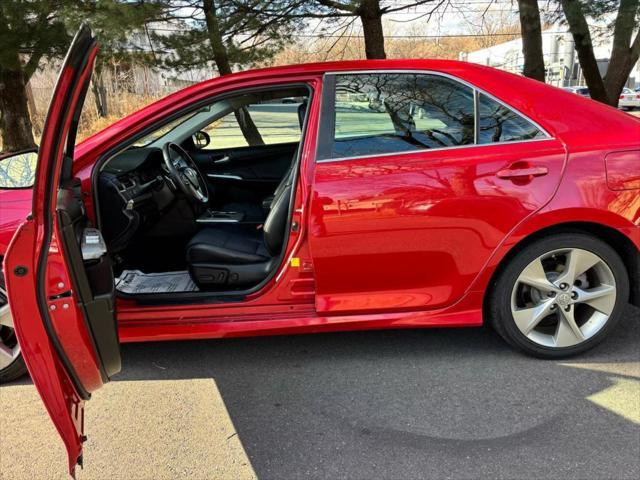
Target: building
point(560, 57)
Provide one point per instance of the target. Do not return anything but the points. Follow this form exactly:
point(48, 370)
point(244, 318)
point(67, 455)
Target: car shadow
point(410, 403)
point(433, 403)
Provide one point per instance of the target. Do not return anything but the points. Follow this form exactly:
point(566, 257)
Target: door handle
point(225, 159)
point(508, 173)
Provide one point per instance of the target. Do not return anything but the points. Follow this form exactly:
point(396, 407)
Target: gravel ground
point(446, 403)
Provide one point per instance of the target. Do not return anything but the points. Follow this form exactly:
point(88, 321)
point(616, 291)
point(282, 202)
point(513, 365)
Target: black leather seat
point(228, 245)
point(232, 256)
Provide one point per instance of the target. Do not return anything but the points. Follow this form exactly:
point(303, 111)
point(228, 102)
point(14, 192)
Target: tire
point(514, 305)
point(16, 368)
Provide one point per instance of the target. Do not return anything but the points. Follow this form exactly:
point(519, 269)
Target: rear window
point(498, 123)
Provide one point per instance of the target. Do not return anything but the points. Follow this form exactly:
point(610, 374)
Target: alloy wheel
point(563, 298)
point(9, 348)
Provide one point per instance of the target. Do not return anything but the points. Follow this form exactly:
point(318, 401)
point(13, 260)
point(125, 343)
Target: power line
point(448, 35)
point(515, 34)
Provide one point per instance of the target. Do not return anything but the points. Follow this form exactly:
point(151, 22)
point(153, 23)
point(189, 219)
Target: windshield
point(161, 132)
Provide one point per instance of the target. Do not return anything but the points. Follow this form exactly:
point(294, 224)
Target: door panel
point(414, 230)
point(59, 279)
point(244, 174)
point(92, 278)
point(61, 399)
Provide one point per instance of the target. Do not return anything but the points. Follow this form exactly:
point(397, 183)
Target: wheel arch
point(622, 245)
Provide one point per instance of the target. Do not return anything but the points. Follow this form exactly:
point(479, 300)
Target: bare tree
point(625, 52)
point(369, 12)
point(531, 30)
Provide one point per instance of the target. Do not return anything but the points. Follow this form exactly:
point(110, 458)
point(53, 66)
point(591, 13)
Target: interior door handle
point(225, 159)
point(522, 172)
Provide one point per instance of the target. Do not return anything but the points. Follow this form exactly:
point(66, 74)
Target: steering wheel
point(185, 173)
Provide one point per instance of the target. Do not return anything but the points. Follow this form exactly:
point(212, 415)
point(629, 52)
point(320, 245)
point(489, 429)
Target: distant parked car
point(582, 91)
point(629, 99)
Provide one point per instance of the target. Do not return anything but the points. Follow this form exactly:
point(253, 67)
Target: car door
point(245, 174)
point(418, 179)
point(59, 278)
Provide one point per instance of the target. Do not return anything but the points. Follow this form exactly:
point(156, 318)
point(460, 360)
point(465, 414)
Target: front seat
point(231, 257)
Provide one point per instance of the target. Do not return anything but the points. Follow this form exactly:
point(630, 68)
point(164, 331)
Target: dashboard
point(134, 192)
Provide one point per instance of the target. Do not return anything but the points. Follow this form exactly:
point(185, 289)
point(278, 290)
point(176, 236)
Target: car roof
point(545, 104)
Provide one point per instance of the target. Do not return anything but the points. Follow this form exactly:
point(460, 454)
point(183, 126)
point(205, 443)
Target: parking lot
point(446, 403)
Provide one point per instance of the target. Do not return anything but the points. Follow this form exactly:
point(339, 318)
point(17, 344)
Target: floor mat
point(135, 281)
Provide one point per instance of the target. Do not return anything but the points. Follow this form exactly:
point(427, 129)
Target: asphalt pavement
point(436, 404)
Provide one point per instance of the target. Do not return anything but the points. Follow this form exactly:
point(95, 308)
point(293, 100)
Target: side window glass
point(269, 123)
point(498, 123)
point(388, 113)
point(18, 170)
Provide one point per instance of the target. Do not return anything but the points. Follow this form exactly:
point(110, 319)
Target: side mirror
point(18, 170)
point(201, 139)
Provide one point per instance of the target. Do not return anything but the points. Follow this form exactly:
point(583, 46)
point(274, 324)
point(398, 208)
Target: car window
point(498, 123)
point(19, 170)
point(269, 122)
point(397, 112)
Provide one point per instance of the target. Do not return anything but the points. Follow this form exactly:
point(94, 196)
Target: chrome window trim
point(225, 176)
point(427, 150)
point(476, 92)
point(476, 117)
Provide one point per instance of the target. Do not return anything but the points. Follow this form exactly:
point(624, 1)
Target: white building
point(560, 58)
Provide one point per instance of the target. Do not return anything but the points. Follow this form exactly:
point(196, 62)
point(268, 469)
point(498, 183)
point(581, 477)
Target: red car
point(390, 194)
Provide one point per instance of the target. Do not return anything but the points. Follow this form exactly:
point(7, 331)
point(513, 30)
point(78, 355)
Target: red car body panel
point(397, 241)
point(15, 205)
point(414, 230)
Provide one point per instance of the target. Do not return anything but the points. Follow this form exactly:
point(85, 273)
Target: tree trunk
point(371, 18)
point(99, 93)
point(15, 123)
point(221, 58)
point(531, 31)
point(624, 53)
point(31, 102)
point(584, 46)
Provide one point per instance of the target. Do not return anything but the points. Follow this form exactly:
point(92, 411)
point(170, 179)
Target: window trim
point(327, 117)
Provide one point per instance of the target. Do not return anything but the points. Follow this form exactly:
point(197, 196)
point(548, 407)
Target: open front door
point(59, 277)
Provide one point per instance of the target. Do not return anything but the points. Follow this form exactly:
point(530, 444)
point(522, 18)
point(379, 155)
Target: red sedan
point(324, 197)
